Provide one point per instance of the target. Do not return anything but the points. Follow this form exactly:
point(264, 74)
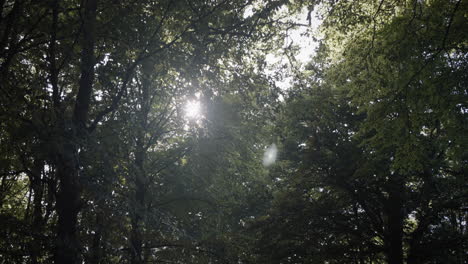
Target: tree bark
point(88, 61)
point(68, 205)
point(141, 180)
point(73, 134)
point(394, 232)
point(139, 208)
point(37, 187)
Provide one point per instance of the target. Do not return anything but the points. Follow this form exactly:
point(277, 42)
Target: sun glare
point(192, 109)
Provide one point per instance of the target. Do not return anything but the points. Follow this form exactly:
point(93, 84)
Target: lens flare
point(269, 157)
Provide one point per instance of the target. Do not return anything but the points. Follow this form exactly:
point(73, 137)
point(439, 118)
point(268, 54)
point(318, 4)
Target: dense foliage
point(102, 160)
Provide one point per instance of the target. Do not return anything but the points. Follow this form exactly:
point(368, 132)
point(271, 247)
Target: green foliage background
point(371, 132)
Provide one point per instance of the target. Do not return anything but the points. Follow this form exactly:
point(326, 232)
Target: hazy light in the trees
point(269, 157)
point(299, 37)
point(192, 109)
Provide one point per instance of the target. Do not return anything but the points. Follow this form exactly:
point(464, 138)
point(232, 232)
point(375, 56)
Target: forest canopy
point(241, 131)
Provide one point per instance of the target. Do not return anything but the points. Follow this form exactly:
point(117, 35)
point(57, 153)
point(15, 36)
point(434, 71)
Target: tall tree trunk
point(37, 220)
point(141, 179)
point(73, 133)
point(139, 208)
point(394, 232)
point(68, 205)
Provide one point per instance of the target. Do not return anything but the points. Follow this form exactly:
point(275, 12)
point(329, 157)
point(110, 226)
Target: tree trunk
point(139, 206)
point(73, 133)
point(394, 232)
point(141, 180)
point(68, 205)
point(37, 220)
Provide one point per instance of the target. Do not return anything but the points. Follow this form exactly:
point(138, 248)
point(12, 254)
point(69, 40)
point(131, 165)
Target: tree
point(405, 68)
point(66, 67)
point(392, 73)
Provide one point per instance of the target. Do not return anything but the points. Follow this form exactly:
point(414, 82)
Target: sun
point(193, 109)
